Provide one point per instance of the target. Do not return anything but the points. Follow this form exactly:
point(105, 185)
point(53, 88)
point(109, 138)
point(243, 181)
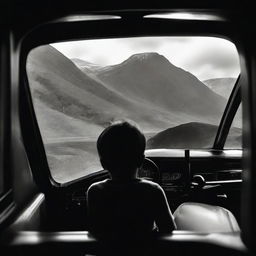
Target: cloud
point(153, 43)
point(210, 58)
point(143, 44)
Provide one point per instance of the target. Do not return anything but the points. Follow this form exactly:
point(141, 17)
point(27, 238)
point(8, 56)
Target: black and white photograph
point(127, 128)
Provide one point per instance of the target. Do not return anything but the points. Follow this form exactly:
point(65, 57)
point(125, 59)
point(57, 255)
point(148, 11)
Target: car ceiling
point(35, 12)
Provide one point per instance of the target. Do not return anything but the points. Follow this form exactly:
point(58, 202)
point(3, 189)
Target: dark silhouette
point(125, 206)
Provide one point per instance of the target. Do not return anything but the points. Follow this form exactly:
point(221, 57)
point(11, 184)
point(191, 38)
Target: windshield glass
point(174, 88)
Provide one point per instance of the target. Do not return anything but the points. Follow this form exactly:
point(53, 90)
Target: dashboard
point(175, 170)
point(180, 172)
point(173, 174)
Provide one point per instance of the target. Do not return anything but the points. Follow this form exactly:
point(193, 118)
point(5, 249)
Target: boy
point(126, 205)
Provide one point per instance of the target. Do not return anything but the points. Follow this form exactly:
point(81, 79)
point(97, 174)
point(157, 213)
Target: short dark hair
point(121, 145)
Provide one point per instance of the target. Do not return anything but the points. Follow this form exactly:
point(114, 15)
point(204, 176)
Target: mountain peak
point(146, 56)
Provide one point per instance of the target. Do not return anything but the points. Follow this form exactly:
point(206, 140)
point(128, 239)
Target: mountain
point(85, 66)
point(146, 88)
point(60, 88)
point(194, 135)
point(222, 86)
point(152, 78)
point(82, 104)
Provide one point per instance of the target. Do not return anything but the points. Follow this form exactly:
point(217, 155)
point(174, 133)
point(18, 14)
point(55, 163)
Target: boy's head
point(121, 148)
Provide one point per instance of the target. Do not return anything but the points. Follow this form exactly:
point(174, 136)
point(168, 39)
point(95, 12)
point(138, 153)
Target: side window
point(234, 139)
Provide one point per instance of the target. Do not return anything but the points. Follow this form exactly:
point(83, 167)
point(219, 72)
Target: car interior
point(200, 131)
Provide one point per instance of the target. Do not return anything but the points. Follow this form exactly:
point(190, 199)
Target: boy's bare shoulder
point(96, 186)
point(141, 184)
point(150, 184)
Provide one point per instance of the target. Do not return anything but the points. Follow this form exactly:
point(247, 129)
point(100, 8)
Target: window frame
point(7, 205)
point(228, 116)
point(65, 31)
point(226, 147)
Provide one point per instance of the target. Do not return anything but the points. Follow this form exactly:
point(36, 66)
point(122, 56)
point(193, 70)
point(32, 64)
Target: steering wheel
point(149, 171)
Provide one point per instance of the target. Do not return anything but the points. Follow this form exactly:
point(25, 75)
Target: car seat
point(200, 217)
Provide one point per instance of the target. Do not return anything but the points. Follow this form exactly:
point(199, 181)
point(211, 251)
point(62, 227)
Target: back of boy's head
point(121, 146)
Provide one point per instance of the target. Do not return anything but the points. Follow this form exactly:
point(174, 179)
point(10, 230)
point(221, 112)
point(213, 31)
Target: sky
point(204, 57)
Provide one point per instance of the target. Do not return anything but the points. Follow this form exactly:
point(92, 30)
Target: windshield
point(174, 88)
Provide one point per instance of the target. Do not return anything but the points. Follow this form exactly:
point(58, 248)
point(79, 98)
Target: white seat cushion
point(204, 218)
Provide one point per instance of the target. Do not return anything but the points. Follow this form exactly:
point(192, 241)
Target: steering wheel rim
point(149, 164)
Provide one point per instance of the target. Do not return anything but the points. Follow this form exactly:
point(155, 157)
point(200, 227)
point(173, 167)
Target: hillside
point(152, 78)
point(58, 86)
point(146, 88)
point(81, 102)
point(222, 86)
point(194, 135)
point(86, 66)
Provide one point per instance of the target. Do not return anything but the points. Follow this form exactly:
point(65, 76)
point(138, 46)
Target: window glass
point(174, 88)
point(234, 139)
